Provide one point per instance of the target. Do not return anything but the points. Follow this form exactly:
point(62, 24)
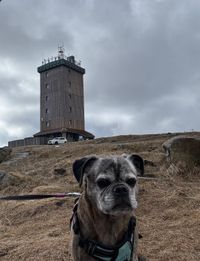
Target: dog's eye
point(103, 183)
point(131, 182)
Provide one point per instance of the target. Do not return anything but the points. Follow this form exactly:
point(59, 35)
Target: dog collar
point(121, 252)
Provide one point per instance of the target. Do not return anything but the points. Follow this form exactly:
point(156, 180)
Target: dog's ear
point(138, 162)
point(80, 165)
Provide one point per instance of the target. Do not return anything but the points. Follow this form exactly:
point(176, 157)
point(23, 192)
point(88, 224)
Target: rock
point(182, 148)
point(3, 253)
point(5, 153)
point(7, 180)
point(60, 172)
point(60, 203)
point(149, 162)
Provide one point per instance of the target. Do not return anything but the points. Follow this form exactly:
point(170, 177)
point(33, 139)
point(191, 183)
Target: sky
point(142, 61)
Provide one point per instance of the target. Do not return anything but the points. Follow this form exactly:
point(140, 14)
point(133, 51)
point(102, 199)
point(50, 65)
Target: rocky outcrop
point(182, 148)
point(7, 180)
point(5, 153)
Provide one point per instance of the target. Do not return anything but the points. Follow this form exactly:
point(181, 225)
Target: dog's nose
point(120, 190)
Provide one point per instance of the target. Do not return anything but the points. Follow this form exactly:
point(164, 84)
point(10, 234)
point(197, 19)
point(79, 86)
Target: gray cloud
point(142, 62)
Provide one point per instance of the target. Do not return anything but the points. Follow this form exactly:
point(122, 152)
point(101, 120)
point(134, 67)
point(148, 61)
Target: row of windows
point(47, 97)
point(69, 109)
point(48, 123)
point(69, 84)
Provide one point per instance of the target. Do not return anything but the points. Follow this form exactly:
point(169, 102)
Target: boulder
point(183, 149)
point(5, 153)
point(7, 180)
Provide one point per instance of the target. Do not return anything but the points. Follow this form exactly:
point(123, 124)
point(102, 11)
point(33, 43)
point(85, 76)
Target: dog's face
point(110, 183)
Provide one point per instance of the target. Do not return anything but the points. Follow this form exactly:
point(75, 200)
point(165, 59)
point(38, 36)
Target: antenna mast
point(61, 52)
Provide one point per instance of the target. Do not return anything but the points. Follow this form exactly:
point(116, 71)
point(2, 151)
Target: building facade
point(62, 98)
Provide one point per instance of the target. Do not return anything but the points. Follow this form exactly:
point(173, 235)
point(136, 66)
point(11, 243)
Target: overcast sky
point(142, 61)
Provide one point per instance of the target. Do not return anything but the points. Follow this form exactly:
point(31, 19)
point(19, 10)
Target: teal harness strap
point(125, 252)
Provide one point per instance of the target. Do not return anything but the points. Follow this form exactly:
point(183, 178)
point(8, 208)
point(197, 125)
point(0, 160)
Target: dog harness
point(121, 252)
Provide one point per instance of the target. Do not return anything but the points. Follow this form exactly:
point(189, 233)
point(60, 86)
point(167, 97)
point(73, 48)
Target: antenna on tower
point(61, 52)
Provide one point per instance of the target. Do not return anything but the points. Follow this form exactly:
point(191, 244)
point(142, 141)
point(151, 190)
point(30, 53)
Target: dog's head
point(111, 182)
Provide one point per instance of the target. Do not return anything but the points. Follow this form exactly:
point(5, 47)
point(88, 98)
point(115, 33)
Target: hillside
point(168, 212)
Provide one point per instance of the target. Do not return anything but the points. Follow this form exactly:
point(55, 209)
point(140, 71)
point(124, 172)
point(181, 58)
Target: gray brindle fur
point(108, 200)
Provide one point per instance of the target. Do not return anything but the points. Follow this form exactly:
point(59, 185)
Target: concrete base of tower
point(69, 134)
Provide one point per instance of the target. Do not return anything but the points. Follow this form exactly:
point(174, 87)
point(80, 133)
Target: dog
point(103, 222)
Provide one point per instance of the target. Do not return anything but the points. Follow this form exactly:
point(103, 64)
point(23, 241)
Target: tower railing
point(70, 59)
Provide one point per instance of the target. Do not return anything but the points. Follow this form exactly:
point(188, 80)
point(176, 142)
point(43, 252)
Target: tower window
point(47, 86)
point(47, 98)
point(47, 74)
point(47, 111)
point(70, 123)
point(70, 96)
point(70, 109)
point(47, 124)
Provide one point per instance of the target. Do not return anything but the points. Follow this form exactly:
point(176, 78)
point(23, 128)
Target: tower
point(62, 98)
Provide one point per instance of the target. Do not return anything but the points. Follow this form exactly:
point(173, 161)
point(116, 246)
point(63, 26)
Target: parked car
point(57, 140)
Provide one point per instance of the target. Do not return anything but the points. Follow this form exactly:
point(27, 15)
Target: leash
point(40, 196)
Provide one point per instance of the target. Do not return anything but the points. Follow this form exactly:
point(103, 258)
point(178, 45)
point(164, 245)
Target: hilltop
point(168, 212)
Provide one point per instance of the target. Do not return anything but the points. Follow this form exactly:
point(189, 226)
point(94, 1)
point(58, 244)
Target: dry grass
point(168, 213)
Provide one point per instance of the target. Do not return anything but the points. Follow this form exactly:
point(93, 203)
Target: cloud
point(142, 62)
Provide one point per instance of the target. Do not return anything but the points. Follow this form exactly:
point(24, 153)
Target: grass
point(168, 212)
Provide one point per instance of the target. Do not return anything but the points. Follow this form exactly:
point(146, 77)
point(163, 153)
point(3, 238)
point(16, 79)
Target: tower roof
point(69, 63)
point(61, 59)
